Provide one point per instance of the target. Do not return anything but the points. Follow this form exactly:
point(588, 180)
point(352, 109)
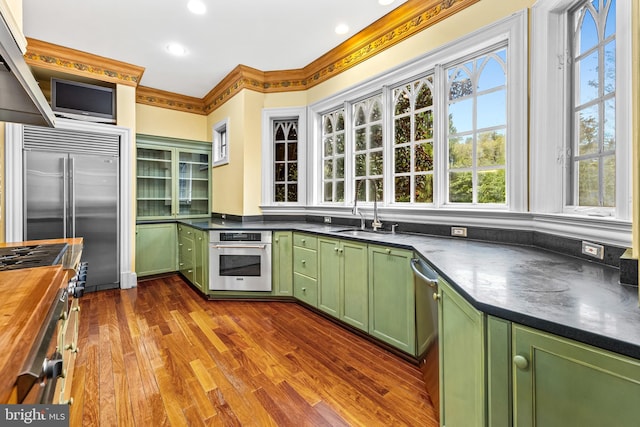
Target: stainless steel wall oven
point(240, 261)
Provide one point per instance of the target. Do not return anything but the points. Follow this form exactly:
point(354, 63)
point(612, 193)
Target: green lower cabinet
point(282, 259)
point(392, 297)
point(462, 360)
point(155, 249)
point(305, 268)
point(499, 373)
point(343, 281)
point(201, 260)
point(186, 252)
point(559, 382)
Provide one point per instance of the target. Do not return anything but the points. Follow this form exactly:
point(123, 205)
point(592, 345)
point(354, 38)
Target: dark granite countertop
point(566, 296)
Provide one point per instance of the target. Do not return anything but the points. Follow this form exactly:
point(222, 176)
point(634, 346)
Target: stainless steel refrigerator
point(71, 190)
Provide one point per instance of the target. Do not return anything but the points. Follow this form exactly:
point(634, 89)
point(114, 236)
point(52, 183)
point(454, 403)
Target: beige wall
point(175, 124)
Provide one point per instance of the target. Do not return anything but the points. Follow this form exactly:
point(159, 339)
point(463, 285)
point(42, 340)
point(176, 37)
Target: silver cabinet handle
point(431, 281)
point(238, 246)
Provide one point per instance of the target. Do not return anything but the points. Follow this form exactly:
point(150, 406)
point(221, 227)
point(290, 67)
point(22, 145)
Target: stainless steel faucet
point(375, 224)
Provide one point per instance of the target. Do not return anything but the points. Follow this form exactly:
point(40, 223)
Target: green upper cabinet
point(155, 248)
point(562, 383)
point(392, 310)
point(343, 281)
point(282, 247)
point(462, 360)
point(173, 178)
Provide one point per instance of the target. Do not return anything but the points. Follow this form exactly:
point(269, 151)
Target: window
point(333, 157)
point(367, 151)
point(413, 141)
point(593, 111)
point(285, 138)
point(581, 142)
point(220, 143)
point(477, 107)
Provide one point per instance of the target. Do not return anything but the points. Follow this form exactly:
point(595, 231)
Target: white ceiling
point(264, 34)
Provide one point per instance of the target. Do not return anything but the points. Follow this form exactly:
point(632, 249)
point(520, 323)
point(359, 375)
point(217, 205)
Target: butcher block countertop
point(25, 299)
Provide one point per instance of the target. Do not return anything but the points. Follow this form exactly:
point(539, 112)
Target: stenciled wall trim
point(49, 56)
point(403, 22)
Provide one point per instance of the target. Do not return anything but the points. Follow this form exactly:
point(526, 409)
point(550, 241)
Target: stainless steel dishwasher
point(429, 320)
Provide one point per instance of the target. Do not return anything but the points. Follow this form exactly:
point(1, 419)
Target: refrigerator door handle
point(72, 199)
point(65, 196)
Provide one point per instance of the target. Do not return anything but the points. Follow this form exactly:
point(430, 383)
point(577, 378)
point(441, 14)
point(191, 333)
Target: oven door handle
point(239, 246)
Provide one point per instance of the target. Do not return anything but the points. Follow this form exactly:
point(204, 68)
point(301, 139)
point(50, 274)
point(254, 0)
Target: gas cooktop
point(17, 257)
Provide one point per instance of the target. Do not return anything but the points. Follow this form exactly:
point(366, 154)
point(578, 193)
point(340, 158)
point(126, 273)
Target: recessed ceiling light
point(385, 2)
point(176, 49)
point(342, 29)
point(197, 7)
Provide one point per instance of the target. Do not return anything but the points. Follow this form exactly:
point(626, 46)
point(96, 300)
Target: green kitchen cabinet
point(201, 260)
point(282, 263)
point(155, 248)
point(392, 308)
point(305, 268)
point(462, 360)
point(173, 178)
point(343, 281)
point(560, 382)
point(186, 252)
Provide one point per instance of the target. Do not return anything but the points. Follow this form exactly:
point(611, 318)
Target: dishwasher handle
point(431, 281)
point(214, 246)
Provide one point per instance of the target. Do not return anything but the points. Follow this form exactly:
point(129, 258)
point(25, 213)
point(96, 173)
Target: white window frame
point(550, 123)
point(549, 130)
point(220, 155)
point(513, 30)
point(269, 115)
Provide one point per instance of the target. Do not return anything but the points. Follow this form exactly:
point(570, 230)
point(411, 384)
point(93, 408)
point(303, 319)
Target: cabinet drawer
point(305, 261)
point(305, 241)
point(305, 289)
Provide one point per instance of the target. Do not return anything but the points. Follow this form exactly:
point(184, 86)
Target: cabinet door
point(283, 263)
point(329, 276)
point(354, 284)
point(186, 252)
point(391, 298)
point(559, 382)
point(155, 249)
point(193, 183)
point(154, 182)
point(462, 366)
point(201, 260)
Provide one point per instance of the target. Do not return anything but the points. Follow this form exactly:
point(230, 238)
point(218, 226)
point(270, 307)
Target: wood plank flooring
point(161, 355)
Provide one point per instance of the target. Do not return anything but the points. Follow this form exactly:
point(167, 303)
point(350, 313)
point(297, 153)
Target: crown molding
point(401, 23)
point(170, 100)
point(49, 56)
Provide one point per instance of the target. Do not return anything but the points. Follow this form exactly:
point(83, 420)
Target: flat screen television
point(83, 101)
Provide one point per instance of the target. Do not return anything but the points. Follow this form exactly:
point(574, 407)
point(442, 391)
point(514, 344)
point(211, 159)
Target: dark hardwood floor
point(159, 354)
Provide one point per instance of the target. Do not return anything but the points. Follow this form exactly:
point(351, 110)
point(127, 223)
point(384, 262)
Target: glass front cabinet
point(173, 178)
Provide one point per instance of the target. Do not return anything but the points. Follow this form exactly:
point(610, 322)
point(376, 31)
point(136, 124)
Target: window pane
point(610, 67)
point(491, 148)
point(328, 191)
point(279, 133)
point(403, 159)
point(424, 98)
point(588, 130)
point(292, 193)
point(280, 195)
point(328, 169)
point(402, 101)
point(460, 187)
point(361, 139)
point(339, 191)
point(492, 75)
point(279, 172)
point(424, 126)
point(376, 136)
point(460, 152)
point(402, 189)
point(292, 175)
point(609, 125)
point(340, 143)
point(292, 151)
point(610, 26)
point(424, 189)
point(491, 186)
point(375, 163)
point(333, 153)
point(588, 183)
point(361, 164)
point(328, 147)
point(328, 125)
point(375, 189)
point(588, 32)
point(424, 157)
point(361, 118)
point(403, 130)
point(460, 84)
point(588, 88)
point(280, 150)
point(376, 112)
point(339, 121)
point(340, 167)
point(609, 188)
point(461, 116)
point(492, 109)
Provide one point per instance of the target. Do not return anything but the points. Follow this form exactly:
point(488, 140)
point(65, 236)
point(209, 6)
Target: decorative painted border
point(403, 22)
point(59, 58)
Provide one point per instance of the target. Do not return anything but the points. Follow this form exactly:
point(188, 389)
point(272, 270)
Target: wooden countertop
point(25, 298)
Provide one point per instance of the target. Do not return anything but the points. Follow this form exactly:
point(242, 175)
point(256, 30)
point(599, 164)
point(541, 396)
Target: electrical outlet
point(459, 231)
point(223, 216)
point(593, 249)
point(327, 220)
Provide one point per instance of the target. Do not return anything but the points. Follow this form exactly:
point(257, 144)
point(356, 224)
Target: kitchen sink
point(357, 232)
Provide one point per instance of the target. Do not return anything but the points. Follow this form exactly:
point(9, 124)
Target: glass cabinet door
point(193, 183)
point(154, 176)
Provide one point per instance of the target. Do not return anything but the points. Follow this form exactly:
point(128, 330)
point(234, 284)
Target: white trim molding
point(220, 132)
point(14, 188)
